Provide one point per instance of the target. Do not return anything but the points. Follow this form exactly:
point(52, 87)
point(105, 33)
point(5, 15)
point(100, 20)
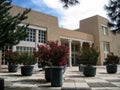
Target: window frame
point(105, 30)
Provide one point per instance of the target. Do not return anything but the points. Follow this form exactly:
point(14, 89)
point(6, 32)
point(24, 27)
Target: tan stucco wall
point(41, 20)
point(75, 34)
point(92, 25)
point(51, 23)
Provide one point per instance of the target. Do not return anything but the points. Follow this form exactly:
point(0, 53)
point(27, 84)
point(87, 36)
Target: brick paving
point(72, 80)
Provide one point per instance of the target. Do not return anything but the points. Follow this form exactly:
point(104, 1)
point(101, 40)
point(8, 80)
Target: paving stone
point(99, 88)
point(69, 80)
point(107, 85)
point(83, 89)
point(94, 84)
point(68, 88)
point(81, 85)
point(116, 83)
point(112, 88)
point(68, 85)
point(73, 80)
point(114, 80)
point(18, 88)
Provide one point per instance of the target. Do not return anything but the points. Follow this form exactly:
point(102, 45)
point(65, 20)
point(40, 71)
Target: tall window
point(31, 35)
point(106, 46)
point(42, 36)
point(105, 30)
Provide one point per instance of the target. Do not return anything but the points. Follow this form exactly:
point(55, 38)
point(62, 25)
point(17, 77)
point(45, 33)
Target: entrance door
point(74, 60)
point(75, 49)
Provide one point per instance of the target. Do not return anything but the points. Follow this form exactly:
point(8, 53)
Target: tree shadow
point(31, 81)
point(75, 76)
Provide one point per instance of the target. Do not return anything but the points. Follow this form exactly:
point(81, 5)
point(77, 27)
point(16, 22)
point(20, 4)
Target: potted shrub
point(89, 58)
point(55, 56)
point(81, 63)
point(59, 58)
point(111, 63)
point(28, 60)
point(12, 58)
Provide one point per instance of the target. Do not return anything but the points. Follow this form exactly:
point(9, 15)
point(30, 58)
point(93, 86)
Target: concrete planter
point(27, 70)
point(111, 68)
point(12, 68)
point(89, 71)
point(56, 76)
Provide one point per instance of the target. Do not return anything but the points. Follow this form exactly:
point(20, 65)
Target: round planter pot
point(27, 70)
point(111, 68)
point(12, 68)
point(89, 71)
point(48, 74)
point(56, 76)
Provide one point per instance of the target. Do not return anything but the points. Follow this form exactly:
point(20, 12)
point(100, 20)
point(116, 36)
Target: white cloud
point(70, 17)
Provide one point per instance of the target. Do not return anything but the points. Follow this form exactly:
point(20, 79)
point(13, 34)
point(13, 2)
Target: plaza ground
point(72, 80)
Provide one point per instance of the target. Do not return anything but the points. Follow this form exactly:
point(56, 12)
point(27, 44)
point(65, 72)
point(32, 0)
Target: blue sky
point(68, 18)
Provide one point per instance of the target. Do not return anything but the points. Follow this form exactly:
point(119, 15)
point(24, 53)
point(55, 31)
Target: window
point(105, 30)
point(31, 35)
point(24, 49)
point(106, 46)
point(42, 36)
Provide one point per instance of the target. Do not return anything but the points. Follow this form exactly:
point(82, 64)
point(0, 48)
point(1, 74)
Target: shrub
point(52, 53)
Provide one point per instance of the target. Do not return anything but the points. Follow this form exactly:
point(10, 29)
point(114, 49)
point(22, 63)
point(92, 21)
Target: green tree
point(10, 31)
point(68, 3)
point(113, 12)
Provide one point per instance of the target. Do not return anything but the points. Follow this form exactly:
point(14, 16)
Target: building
point(92, 31)
point(104, 39)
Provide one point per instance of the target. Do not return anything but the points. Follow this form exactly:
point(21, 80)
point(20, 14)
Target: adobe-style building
point(104, 39)
point(44, 28)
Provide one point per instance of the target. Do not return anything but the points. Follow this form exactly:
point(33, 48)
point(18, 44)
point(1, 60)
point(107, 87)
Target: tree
point(10, 31)
point(68, 3)
point(113, 12)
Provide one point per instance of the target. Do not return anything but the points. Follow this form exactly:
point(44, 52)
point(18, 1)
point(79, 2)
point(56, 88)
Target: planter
point(48, 74)
point(12, 68)
point(111, 68)
point(1, 84)
point(56, 76)
point(89, 71)
point(81, 67)
point(27, 70)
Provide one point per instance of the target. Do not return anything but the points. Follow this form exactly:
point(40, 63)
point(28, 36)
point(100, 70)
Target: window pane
point(42, 36)
point(24, 49)
point(105, 30)
point(31, 35)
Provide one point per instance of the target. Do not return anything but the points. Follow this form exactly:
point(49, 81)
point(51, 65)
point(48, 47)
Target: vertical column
point(14, 48)
point(36, 39)
point(81, 44)
point(70, 53)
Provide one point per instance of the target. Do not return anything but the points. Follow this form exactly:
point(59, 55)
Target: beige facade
point(94, 25)
point(90, 32)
